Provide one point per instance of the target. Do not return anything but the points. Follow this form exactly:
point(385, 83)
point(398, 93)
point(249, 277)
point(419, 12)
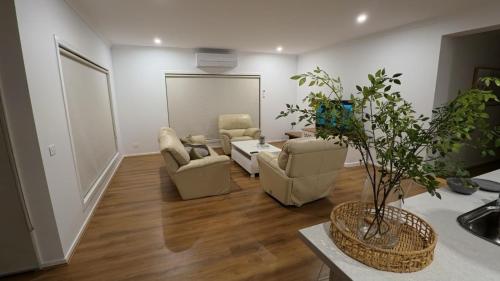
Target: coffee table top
point(252, 147)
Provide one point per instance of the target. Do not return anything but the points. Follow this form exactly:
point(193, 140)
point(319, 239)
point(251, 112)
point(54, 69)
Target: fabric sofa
point(194, 178)
point(236, 127)
point(304, 171)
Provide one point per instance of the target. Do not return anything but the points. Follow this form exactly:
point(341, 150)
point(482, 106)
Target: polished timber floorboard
point(142, 230)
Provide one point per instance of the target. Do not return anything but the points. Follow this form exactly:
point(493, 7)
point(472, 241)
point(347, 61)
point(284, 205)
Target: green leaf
point(296, 77)
point(302, 81)
point(437, 195)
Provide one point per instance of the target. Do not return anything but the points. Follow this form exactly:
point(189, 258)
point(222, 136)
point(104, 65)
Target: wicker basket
point(414, 251)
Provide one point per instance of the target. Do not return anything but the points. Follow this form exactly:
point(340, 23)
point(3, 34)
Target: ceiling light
point(157, 41)
point(361, 18)
point(279, 48)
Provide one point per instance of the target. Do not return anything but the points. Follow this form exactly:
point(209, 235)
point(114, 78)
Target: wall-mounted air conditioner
point(216, 60)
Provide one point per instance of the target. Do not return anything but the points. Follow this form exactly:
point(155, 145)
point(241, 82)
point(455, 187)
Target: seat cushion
point(244, 138)
point(233, 133)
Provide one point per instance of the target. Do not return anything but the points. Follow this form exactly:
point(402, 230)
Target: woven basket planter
point(414, 251)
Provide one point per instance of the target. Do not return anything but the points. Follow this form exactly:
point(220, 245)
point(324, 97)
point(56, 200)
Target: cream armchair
point(236, 127)
point(194, 178)
point(304, 171)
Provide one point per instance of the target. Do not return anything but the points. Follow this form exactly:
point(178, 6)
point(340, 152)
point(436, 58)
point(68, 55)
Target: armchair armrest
point(253, 132)
point(198, 139)
point(226, 133)
point(204, 162)
point(270, 159)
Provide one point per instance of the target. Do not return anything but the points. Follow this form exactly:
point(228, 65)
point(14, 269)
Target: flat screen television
point(321, 115)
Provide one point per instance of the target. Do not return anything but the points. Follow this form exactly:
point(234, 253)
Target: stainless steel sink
point(483, 222)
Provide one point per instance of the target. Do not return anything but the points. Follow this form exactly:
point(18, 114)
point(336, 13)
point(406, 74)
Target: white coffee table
point(245, 154)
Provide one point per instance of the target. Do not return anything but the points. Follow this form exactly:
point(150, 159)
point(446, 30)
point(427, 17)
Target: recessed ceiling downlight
point(279, 49)
point(361, 18)
point(157, 41)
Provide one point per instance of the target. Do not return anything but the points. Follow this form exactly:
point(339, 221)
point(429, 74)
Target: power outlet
point(52, 150)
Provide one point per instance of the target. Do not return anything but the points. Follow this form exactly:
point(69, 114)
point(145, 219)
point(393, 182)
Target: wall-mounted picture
point(480, 72)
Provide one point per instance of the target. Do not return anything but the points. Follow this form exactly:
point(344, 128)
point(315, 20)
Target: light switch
point(52, 150)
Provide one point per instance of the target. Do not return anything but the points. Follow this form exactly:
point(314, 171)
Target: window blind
point(196, 101)
point(90, 118)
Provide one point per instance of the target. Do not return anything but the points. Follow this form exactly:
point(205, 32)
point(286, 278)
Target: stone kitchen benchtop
point(459, 255)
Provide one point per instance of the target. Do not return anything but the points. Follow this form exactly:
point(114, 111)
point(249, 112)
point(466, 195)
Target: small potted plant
point(458, 178)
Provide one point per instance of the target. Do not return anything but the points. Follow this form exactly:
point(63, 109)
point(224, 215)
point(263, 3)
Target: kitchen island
point(459, 254)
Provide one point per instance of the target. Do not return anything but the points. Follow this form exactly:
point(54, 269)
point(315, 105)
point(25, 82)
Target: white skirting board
point(352, 164)
point(141, 154)
point(114, 167)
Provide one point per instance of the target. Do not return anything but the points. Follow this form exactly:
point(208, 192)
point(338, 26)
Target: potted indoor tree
point(396, 143)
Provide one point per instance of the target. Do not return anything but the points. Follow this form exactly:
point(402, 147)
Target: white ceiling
point(253, 25)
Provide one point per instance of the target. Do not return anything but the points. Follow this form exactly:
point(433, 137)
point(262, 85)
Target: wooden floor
point(142, 230)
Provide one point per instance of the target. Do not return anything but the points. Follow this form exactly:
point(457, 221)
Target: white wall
point(38, 22)
point(412, 50)
point(18, 251)
point(141, 99)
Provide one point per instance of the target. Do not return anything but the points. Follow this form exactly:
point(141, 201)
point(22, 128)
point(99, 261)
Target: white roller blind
point(90, 119)
point(196, 101)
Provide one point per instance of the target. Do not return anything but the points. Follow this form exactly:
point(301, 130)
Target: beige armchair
point(236, 127)
point(304, 171)
point(194, 178)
